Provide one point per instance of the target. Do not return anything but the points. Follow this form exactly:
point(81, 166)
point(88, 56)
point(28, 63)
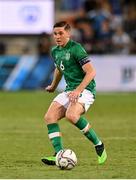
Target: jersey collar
point(66, 46)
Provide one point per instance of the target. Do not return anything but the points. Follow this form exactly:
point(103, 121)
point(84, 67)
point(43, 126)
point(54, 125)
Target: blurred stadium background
point(106, 28)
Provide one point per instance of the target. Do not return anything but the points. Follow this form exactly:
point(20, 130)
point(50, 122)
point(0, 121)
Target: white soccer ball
point(66, 159)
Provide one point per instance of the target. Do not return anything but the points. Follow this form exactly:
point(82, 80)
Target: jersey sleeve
point(81, 55)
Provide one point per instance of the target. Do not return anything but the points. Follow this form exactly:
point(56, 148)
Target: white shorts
point(86, 99)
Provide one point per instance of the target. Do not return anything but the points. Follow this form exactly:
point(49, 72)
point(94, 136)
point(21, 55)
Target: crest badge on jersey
point(67, 56)
point(56, 56)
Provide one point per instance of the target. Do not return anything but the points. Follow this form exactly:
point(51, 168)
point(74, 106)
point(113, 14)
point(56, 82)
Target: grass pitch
point(23, 137)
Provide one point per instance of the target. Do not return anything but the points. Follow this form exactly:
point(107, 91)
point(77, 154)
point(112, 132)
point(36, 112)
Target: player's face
point(61, 36)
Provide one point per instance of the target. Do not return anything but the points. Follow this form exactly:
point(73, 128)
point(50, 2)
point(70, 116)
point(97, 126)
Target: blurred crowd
point(102, 26)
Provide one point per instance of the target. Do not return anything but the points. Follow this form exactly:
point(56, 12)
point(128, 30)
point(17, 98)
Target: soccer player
point(71, 60)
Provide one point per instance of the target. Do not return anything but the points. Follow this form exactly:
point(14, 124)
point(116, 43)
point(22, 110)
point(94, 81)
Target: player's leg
point(74, 113)
point(55, 112)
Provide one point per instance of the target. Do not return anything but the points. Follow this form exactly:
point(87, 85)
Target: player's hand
point(50, 88)
point(74, 95)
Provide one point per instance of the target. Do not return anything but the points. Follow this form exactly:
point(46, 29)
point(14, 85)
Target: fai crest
point(67, 56)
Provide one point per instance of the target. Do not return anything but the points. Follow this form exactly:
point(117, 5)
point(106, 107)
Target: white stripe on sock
point(55, 134)
point(98, 143)
point(86, 128)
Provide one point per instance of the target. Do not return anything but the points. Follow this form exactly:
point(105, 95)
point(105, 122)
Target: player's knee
point(45, 117)
point(48, 119)
point(72, 117)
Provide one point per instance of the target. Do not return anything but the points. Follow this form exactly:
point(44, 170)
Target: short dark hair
point(62, 24)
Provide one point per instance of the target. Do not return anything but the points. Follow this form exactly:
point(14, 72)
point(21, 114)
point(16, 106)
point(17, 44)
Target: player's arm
point(89, 76)
point(56, 79)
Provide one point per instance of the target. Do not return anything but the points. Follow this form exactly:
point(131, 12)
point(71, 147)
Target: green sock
point(55, 136)
point(84, 126)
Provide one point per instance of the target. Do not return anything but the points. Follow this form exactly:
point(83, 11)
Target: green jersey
point(69, 61)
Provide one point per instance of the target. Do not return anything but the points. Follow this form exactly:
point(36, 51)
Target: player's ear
point(68, 34)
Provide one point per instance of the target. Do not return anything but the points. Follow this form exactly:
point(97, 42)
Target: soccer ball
point(66, 159)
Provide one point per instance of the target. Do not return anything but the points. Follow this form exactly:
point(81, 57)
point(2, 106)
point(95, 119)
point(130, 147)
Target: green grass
point(23, 137)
